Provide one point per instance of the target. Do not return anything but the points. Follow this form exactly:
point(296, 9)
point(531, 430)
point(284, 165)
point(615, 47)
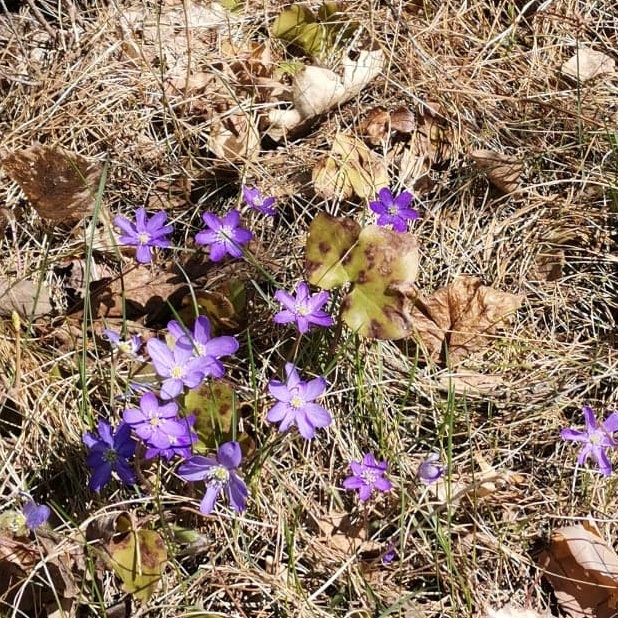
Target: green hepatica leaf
point(329, 242)
point(291, 21)
point(138, 558)
point(383, 266)
point(213, 404)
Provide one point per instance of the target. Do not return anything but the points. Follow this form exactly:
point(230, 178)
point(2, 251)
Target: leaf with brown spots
point(382, 265)
point(464, 315)
point(137, 556)
point(59, 184)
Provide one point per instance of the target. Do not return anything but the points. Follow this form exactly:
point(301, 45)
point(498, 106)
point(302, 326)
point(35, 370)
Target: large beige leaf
point(59, 184)
point(316, 90)
point(588, 63)
point(502, 170)
point(583, 569)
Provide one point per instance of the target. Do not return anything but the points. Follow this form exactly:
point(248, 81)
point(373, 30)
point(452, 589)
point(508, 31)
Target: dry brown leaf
point(338, 533)
point(583, 570)
point(587, 63)
point(377, 127)
point(234, 137)
point(28, 298)
point(429, 146)
point(465, 314)
point(59, 184)
point(146, 290)
point(502, 171)
point(349, 169)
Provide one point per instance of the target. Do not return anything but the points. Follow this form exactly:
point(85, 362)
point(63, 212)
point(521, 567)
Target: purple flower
point(430, 470)
point(305, 309)
point(390, 553)
point(178, 445)
point(224, 236)
point(129, 347)
point(367, 476)
point(36, 514)
point(154, 423)
point(219, 474)
point(597, 438)
point(179, 367)
point(144, 233)
point(394, 211)
point(295, 403)
point(254, 198)
point(203, 346)
point(109, 453)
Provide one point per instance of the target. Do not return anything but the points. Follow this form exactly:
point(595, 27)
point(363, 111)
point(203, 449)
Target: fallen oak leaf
point(583, 571)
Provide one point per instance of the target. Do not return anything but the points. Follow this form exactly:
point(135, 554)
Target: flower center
point(110, 456)
point(225, 233)
point(393, 211)
point(301, 309)
point(219, 475)
point(596, 437)
point(143, 238)
point(156, 421)
point(297, 402)
point(369, 476)
point(200, 348)
point(176, 371)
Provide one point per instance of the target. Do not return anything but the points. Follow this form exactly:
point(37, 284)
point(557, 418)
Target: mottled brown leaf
point(465, 314)
point(59, 184)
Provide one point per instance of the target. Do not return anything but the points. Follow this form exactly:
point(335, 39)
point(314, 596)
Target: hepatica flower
point(199, 341)
point(155, 424)
point(394, 211)
point(223, 236)
point(253, 198)
point(129, 347)
point(305, 309)
point(109, 452)
point(430, 470)
point(35, 514)
point(596, 439)
point(367, 476)
point(178, 366)
point(220, 474)
point(144, 233)
point(295, 403)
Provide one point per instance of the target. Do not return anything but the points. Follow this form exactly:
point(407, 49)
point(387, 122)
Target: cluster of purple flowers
point(224, 235)
point(191, 356)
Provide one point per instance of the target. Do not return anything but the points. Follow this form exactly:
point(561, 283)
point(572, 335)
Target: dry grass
point(491, 71)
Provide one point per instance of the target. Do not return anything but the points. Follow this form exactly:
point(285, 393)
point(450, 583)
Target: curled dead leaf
point(583, 569)
point(59, 184)
point(502, 171)
point(316, 90)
